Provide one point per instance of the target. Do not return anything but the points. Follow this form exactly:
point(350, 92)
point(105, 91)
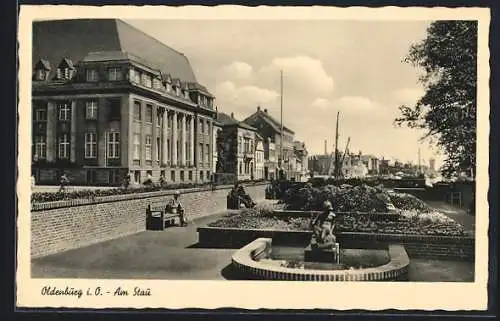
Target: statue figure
point(322, 226)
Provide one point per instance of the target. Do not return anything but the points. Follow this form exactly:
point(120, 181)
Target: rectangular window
point(158, 119)
point(207, 154)
point(146, 80)
point(91, 109)
point(158, 149)
point(201, 175)
point(90, 145)
point(182, 176)
point(168, 149)
point(114, 145)
point(135, 76)
point(41, 146)
point(149, 113)
point(91, 75)
point(169, 121)
point(41, 114)
point(147, 147)
point(114, 74)
point(172, 176)
point(190, 175)
point(200, 153)
point(137, 146)
point(201, 126)
point(63, 150)
point(137, 111)
point(64, 111)
point(239, 144)
point(178, 151)
point(188, 154)
point(207, 128)
point(157, 84)
point(240, 169)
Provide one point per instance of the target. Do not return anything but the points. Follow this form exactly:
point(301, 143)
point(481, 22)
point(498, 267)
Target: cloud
point(241, 99)
point(238, 70)
point(407, 96)
point(301, 74)
point(355, 103)
point(321, 103)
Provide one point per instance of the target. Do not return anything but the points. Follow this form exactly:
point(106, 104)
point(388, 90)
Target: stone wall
point(80, 223)
point(417, 246)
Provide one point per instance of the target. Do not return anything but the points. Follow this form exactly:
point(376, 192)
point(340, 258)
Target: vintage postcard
point(267, 157)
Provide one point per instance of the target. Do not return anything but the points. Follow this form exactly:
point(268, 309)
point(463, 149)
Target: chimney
point(232, 115)
point(258, 108)
point(326, 152)
point(265, 110)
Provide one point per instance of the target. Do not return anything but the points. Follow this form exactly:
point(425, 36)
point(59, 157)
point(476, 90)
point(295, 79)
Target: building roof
point(74, 39)
point(269, 119)
point(227, 120)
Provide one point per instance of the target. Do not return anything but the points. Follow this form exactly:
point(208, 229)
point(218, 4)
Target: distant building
point(237, 143)
point(216, 132)
point(270, 130)
point(108, 100)
point(259, 157)
point(319, 164)
point(300, 152)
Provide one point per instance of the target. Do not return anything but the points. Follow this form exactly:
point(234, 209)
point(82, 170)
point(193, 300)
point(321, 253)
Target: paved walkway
point(169, 254)
point(458, 214)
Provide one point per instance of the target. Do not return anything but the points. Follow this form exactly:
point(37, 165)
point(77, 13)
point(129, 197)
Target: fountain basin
point(253, 261)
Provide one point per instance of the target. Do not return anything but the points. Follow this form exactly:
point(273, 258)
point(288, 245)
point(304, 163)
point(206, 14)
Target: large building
point(277, 154)
point(108, 99)
point(236, 143)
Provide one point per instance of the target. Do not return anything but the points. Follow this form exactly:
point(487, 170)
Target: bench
point(160, 212)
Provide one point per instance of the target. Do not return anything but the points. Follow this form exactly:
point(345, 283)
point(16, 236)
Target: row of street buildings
point(109, 100)
point(358, 165)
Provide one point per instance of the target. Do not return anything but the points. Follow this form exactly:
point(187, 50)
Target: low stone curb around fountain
point(244, 261)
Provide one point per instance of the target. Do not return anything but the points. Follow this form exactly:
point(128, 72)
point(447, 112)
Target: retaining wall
point(61, 226)
point(422, 246)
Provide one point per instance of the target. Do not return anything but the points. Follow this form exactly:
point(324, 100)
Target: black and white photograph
point(299, 146)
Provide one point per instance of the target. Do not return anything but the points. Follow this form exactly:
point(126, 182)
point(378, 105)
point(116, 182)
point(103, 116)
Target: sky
point(330, 66)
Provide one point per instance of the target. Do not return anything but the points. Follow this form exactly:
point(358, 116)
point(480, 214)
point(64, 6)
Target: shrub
point(405, 201)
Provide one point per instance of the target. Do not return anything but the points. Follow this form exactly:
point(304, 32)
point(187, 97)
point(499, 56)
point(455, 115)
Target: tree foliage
point(447, 111)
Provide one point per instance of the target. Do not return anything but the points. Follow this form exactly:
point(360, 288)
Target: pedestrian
point(177, 208)
point(63, 182)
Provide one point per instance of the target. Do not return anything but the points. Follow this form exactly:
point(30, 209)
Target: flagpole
point(281, 118)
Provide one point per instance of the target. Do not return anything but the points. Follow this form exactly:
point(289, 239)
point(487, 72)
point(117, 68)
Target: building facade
point(109, 100)
point(259, 157)
point(277, 154)
point(300, 152)
point(236, 142)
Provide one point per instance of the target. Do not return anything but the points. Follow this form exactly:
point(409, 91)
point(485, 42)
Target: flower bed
point(347, 198)
point(411, 222)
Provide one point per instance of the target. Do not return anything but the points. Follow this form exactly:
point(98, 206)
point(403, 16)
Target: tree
point(447, 111)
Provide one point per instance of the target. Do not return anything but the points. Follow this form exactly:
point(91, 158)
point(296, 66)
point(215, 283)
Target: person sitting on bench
point(175, 207)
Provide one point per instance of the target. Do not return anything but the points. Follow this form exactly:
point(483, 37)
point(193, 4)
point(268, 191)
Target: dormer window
point(41, 74)
point(42, 70)
point(91, 75)
point(65, 70)
point(114, 74)
point(169, 87)
point(157, 84)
